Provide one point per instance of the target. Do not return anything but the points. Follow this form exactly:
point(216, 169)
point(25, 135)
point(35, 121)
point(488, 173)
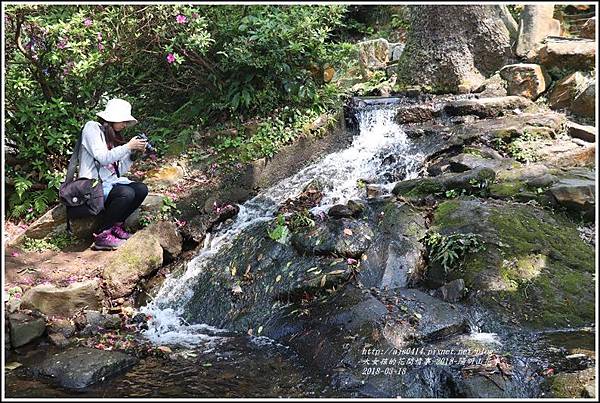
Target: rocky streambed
point(443, 253)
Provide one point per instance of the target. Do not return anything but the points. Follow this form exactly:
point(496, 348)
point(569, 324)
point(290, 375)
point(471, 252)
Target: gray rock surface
point(80, 367)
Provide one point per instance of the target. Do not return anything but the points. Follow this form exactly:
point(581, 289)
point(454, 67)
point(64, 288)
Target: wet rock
point(533, 263)
point(25, 328)
point(487, 107)
point(356, 206)
point(61, 326)
point(374, 54)
point(451, 292)
point(374, 191)
point(525, 80)
point(423, 319)
point(470, 180)
point(565, 91)
point(342, 237)
point(135, 259)
point(584, 103)
point(310, 197)
point(572, 54)
point(586, 133)
point(464, 162)
point(588, 30)
point(535, 25)
point(99, 320)
point(58, 340)
point(80, 367)
point(396, 255)
point(576, 194)
point(164, 176)
point(570, 384)
point(416, 113)
point(352, 209)
point(63, 301)
point(340, 211)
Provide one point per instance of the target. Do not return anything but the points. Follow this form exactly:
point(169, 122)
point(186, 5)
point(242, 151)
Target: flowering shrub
point(177, 64)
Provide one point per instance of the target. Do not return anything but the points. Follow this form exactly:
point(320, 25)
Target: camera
point(149, 146)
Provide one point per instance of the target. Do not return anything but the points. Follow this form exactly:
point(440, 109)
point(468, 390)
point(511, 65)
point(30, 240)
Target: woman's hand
point(137, 144)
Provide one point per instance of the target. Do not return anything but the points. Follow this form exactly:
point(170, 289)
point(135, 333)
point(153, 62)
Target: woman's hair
point(113, 138)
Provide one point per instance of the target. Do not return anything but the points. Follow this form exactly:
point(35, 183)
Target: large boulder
point(487, 107)
point(55, 221)
point(342, 237)
point(525, 80)
point(535, 25)
point(25, 328)
point(585, 133)
point(137, 258)
point(534, 270)
point(63, 301)
point(373, 55)
point(584, 103)
point(168, 236)
point(576, 194)
point(81, 367)
point(472, 180)
point(565, 90)
point(588, 30)
point(570, 54)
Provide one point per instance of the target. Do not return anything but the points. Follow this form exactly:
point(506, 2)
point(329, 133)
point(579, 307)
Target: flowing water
point(216, 362)
point(380, 153)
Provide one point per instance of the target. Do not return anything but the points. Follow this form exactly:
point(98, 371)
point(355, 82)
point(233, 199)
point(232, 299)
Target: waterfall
point(380, 152)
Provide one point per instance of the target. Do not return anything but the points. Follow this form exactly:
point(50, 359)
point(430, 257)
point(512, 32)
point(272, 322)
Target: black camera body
point(149, 146)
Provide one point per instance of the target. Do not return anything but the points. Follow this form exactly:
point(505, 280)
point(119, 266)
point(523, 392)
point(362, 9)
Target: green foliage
point(179, 65)
point(55, 242)
point(301, 219)
point(449, 250)
point(280, 232)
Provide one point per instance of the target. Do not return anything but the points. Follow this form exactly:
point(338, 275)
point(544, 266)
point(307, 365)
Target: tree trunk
point(452, 48)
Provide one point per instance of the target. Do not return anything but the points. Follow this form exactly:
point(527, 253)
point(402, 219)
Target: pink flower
point(100, 47)
point(15, 254)
point(170, 58)
point(181, 19)
point(99, 36)
point(351, 261)
point(62, 44)
point(18, 295)
point(87, 22)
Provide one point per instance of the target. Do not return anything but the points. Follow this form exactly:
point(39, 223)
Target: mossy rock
point(535, 268)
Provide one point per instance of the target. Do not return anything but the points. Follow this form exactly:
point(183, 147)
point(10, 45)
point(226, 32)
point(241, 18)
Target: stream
point(216, 361)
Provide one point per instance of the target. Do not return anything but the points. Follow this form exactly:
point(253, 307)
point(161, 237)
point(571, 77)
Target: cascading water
point(380, 153)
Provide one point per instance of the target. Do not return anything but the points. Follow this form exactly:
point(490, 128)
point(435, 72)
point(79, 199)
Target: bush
point(178, 65)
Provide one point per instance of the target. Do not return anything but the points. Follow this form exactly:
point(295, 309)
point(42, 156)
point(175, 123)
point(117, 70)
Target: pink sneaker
point(119, 232)
point(106, 241)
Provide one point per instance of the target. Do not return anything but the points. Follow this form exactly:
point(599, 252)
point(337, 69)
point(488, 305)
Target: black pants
point(121, 202)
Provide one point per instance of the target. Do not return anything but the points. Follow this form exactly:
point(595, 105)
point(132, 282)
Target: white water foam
point(380, 140)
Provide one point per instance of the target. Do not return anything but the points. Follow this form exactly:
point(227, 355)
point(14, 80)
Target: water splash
point(380, 153)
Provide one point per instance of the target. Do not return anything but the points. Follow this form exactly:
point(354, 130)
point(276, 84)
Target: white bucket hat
point(118, 110)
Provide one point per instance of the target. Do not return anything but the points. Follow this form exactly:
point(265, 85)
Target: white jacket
point(94, 147)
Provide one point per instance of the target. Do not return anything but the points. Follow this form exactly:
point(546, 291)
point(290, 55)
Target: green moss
point(506, 189)
point(474, 151)
point(443, 214)
point(547, 269)
point(424, 187)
